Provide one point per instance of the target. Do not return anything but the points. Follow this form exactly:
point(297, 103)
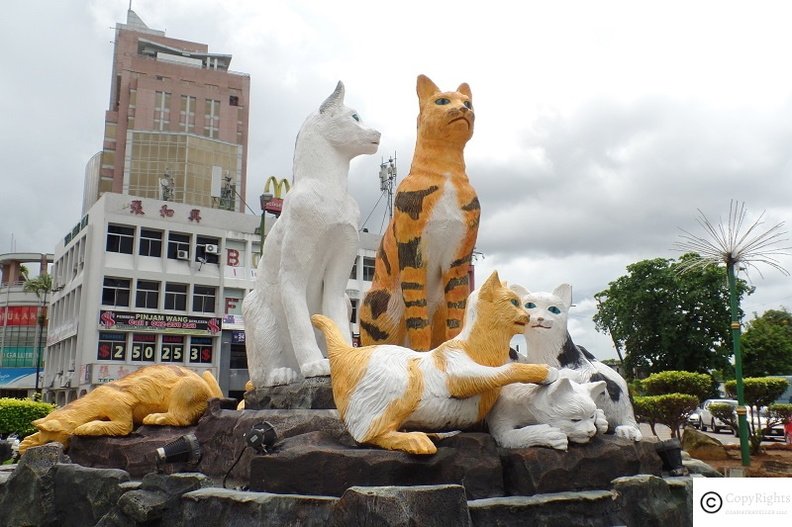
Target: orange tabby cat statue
point(382, 389)
point(417, 298)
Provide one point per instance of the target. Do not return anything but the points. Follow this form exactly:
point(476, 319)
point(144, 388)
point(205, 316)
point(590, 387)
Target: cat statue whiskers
point(309, 251)
point(548, 342)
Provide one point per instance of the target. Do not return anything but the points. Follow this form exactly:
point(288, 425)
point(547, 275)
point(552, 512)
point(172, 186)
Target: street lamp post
point(264, 199)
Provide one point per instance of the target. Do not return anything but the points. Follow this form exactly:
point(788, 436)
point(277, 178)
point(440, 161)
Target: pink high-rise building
point(177, 125)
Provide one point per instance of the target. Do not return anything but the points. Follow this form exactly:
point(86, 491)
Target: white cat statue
point(310, 250)
point(549, 342)
point(552, 415)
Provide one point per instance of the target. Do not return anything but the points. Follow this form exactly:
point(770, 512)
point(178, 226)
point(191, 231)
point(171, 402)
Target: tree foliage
point(668, 320)
point(759, 392)
point(767, 344)
point(698, 384)
point(671, 409)
point(672, 397)
point(16, 415)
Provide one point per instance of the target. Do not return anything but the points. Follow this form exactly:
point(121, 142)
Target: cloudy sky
point(601, 127)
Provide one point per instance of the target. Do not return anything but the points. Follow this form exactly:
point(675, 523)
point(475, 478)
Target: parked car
point(694, 419)
point(710, 421)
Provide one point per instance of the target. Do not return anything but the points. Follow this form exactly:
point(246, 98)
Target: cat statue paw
point(551, 415)
point(307, 255)
point(548, 342)
point(629, 432)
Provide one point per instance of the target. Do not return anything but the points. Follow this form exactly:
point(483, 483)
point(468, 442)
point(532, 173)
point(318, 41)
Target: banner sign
point(19, 316)
point(160, 323)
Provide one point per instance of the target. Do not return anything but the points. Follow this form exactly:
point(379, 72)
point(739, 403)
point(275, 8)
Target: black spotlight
point(261, 437)
point(670, 451)
point(182, 450)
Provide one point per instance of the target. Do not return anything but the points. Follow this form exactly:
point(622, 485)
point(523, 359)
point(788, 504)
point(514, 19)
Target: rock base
point(314, 393)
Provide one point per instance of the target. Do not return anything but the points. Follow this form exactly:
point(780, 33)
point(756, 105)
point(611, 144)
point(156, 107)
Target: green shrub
point(16, 415)
point(759, 391)
point(780, 412)
point(665, 382)
point(670, 409)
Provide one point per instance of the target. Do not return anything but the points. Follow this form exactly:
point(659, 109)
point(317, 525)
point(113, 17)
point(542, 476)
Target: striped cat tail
point(335, 340)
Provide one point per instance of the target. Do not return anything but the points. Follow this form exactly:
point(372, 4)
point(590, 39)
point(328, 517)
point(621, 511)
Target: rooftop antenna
point(387, 175)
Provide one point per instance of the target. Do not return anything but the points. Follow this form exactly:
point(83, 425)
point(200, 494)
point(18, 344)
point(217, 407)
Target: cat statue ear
point(426, 87)
point(464, 89)
point(564, 292)
point(336, 99)
point(597, 389)
point(488, 289)
point(561, 387)
point(520, 290)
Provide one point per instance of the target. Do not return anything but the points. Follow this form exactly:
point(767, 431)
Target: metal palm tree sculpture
point(738, 249)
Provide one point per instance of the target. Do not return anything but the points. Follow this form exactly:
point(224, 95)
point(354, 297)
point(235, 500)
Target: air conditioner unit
point(182, 255)
point(211, 249)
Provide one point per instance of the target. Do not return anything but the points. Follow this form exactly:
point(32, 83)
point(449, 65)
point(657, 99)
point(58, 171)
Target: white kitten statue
point(549, 342)
point(310, 250)
point(530, 415)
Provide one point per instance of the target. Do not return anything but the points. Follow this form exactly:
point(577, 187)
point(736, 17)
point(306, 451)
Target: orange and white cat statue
point(382, 389)
point(417, 297)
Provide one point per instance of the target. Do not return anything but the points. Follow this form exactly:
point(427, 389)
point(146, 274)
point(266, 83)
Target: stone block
point(591, 508)
point(321, 463)
point(424, 505)
point(214, 506)
point(315, 393)
point(528, 471)
point(84, 495)
point(648, 501)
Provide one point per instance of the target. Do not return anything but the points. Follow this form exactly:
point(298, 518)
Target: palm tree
point(41, 286)
point(738, 249)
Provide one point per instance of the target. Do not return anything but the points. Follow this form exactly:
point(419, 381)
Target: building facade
point(177, 125)
point(22, 337)
point(140, 281)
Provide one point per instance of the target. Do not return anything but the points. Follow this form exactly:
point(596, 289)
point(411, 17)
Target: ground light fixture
point(261, 437)
point(185, 449)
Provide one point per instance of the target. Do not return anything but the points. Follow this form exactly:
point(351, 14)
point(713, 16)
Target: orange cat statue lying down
point(153, 395)
point(379, 390)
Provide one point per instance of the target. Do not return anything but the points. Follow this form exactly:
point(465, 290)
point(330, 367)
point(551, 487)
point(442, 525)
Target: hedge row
point(16, 415)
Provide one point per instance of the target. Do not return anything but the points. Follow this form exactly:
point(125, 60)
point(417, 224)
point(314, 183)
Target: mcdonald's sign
point(278, 187)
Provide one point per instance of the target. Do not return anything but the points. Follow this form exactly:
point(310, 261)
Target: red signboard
point(178, 324)
point(19, 316)
point(275, 206)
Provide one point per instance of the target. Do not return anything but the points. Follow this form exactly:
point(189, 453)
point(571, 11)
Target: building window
point(147, 295)
point(233, 100)
point(212, 118)
point(187, 114)
point(178, 246)
point(150, 243)
point(176, 297)
point(368, 269)
point(120, 239)
point(161, 110)
point(116, 292)
point(353, 317)
point(172, 348)
point(200, 349)
point(238, 357)
point(144, 346)
point(207, 250)
point(203, 299)
point(353, 274)
point(112, 346)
